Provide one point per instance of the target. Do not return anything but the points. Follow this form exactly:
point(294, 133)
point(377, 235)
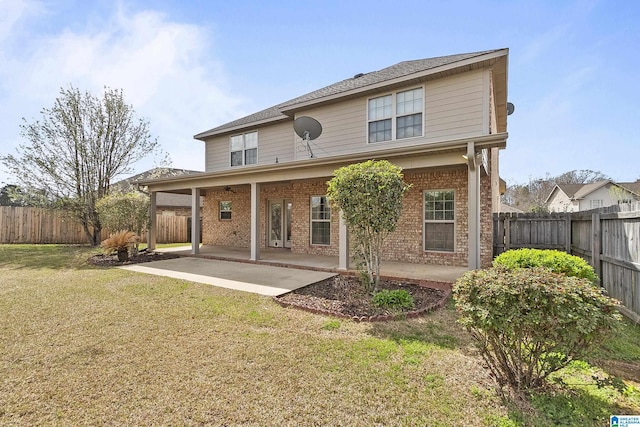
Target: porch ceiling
point(435, 155)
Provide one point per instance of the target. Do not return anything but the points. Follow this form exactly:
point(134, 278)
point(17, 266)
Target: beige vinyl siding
point(454, 109)
point(276, 140)
point(455, 106)
point(218, 154)
point(343, 129)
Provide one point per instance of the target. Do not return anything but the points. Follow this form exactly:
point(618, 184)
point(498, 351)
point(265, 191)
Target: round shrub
point(531, 322)
point(556, 261)
point(396, 299)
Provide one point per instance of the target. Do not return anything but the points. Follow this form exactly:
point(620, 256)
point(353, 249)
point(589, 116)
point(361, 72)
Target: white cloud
point(167, 70)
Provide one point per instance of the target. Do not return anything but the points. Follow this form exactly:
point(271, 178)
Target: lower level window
point(320, 221)
point(439, 220)
point(225, 210)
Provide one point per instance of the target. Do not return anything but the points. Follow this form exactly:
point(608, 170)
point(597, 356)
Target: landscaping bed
point(344, 296)
point(103, 260)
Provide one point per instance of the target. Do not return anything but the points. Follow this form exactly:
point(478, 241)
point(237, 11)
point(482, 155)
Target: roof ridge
point(363, 80)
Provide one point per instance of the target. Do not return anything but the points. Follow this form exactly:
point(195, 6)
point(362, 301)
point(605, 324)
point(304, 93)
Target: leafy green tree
point(370, 197)
point(124, 211)
point(72, 154)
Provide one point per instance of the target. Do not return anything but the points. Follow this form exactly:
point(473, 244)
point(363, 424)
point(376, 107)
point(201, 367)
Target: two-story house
point(442, 120)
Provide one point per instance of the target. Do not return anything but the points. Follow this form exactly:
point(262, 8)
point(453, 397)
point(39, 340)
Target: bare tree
point(78, 147)
point(532, 196)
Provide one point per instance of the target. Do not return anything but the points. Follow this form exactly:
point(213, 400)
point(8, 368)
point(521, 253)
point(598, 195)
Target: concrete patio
point(285, 258)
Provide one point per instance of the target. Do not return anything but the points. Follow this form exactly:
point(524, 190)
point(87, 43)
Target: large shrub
point(556, 261)
point(369, 194)
point(531, 322)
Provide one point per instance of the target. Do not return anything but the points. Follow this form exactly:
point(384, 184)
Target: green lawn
point(92, 346)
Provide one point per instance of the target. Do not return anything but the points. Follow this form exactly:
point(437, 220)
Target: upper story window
point(395, 116)
point(244, 149)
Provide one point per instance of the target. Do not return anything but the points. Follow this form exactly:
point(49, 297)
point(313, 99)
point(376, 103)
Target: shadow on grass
point(55, 257)
point(568, 407)
point(437, 328)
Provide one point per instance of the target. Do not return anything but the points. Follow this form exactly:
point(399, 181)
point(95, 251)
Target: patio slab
point(285, 258)
point(259, 279)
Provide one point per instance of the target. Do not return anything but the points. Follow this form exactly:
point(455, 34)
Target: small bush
point(120, 243)
point(556, 261)
point(396, 299)
point(531, 322)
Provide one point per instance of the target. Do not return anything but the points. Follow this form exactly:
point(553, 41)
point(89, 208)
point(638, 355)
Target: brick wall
point(404, 244)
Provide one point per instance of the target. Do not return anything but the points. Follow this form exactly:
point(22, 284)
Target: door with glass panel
point(279, 229)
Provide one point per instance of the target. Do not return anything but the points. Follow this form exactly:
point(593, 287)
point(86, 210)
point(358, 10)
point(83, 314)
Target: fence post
point(507, 233)
point(567, 232)
point(595, 242)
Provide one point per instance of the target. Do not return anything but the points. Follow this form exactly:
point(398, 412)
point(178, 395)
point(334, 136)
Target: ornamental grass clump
point(120, 242)
point(530, 322)
point(556, 261)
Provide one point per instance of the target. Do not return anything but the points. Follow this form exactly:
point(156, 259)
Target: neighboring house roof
point(357, 84)
point(162, 199)
point(580, 191)
point(131, 182)
point(633, 187)
point(507, 208)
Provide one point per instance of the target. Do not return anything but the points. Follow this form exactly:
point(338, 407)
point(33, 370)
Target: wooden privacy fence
point(37, 226)
point(608, 238)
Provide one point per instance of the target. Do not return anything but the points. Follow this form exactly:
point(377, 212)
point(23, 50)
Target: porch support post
point(343, 245)
point(473, 207)
point(255, 221)
point(195, 221)
point(152, 233)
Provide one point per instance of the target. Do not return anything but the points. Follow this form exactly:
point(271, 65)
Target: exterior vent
point(358, 75)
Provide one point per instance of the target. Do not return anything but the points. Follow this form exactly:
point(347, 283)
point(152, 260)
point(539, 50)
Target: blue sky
point(188, 66)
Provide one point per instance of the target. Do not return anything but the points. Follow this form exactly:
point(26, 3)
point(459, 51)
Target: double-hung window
point(225, 210)
point(320, 221)
point(395, 116)
point(439, 220)
point(244, 149)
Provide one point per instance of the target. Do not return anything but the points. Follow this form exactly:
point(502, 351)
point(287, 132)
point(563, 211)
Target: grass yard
point(81, 345)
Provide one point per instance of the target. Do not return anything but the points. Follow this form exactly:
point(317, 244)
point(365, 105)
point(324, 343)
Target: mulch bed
point(103, 260)
point(343, 296)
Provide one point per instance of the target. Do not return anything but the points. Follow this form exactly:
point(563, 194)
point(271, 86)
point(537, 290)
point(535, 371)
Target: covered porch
point(285, 258)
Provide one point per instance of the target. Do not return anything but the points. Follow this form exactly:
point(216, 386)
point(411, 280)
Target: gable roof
point(633, 187)
point(363, 82)
point(580, 191)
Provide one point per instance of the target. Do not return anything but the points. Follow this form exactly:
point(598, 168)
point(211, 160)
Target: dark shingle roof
point(130, 183)
point(397, 71)
point(634, 187)
point(570, 189)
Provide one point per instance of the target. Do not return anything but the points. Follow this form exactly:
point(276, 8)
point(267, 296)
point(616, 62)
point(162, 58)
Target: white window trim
point(220, 210)
point(311, 221)
point(394, 116)
point(244, 149)
point(455, 221)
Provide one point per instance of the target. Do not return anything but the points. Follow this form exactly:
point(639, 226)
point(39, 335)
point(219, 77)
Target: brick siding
point(404, 244)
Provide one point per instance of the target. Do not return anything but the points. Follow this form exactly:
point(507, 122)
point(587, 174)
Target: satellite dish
point(307, 128)
point(510, 108)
